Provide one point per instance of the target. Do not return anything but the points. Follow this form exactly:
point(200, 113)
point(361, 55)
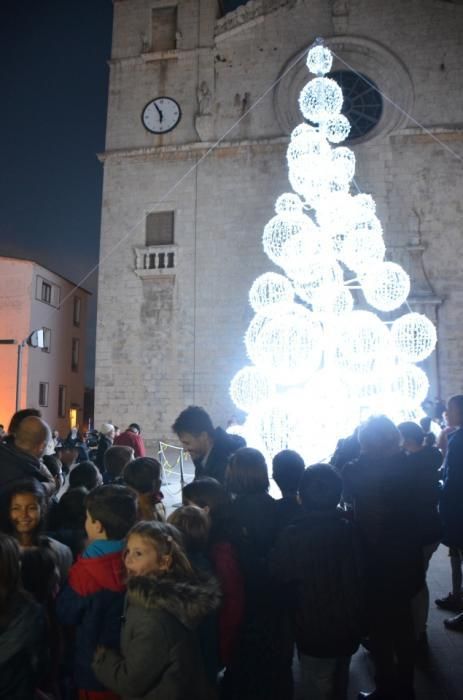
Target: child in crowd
point(68, 523)
point(40, 577)
point(210, 495)
point(193, 524)
point(144, 476)
point(114, 460)
point(288, 468)
point(23, 651)
point(24, 514)
point(93, 598)
point(317, 557)
point(159, 655)
point(85, 474)
point(259, 664)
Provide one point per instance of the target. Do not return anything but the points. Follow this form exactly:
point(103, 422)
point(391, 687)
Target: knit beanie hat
point(106, 428)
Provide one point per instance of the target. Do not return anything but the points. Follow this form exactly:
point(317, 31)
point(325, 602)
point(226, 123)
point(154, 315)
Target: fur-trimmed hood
point(188, 601)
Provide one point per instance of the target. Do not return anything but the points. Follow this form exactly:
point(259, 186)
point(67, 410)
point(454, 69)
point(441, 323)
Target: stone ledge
point(151, 56)
point(193, 149)
point(416, 134)
point(247, 16)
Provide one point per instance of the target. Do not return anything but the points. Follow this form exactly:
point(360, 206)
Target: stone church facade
point(190, 181)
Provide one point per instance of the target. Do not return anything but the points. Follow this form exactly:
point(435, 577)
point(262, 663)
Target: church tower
point(201, 104)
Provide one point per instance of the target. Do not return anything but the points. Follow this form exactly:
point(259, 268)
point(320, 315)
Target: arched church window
point(363, 104)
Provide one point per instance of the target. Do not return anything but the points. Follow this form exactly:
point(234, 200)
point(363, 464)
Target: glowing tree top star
point(322, 359)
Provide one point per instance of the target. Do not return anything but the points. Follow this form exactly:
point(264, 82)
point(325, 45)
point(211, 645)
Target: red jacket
point(130, 439)
point(231, 613)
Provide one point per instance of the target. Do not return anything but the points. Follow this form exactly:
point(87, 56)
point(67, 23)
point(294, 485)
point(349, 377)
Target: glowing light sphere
point(336, 129)
point(362, 248)
point(280, 229)
point(276, 424)
point(359, 339)
point(414, 337)
point(301, 129)
point(314, 277)
point(252, 334)
point(289, 346)
point(410, 384)
point(270, 288)
point(289, 204)
point(319, 60)
point(307, 144)
point(320, 99)
point(303, 249)
point(365, 205)
point(343, 161)
point(368, 223)
point(332, 299)
point(386, 286)
point(334, 216)
point(250, 386)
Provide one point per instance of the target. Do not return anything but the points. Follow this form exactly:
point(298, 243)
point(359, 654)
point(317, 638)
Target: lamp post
point(34, 340)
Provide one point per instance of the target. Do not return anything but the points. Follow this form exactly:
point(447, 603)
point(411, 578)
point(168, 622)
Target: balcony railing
point(155, 260)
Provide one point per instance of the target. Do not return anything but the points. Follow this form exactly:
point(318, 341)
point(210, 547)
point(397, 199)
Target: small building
point(52, 377)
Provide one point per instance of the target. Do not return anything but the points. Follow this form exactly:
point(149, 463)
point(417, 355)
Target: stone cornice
point(150, 56)
point(429, 134)
point(247, 16)
point(194, 149)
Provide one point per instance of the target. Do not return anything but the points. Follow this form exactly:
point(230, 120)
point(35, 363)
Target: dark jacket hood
point(188, 601)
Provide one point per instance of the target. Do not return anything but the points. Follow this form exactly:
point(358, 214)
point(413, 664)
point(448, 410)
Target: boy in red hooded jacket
point(93, 597)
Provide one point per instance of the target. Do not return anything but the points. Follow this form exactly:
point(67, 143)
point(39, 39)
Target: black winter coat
point(320, 559)
point(451, 500)
point(381, 490)
point(256, 518)
point(424, 465)
point(23, 649)
point(16, 464)
point(160, 658)
point(224, 446)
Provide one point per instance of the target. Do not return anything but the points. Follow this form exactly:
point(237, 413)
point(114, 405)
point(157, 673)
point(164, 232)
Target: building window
point(160, 228)
point(46, 292)
point(43, 394)
point(75, 355)
point(62, 401)
point(164, 29)
point(363, 104)
point(76, 312)
point(46, 340)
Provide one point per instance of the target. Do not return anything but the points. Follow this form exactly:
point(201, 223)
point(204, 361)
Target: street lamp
point(35, 340)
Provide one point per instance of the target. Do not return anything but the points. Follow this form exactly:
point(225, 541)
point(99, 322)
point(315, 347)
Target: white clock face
point(161, 115)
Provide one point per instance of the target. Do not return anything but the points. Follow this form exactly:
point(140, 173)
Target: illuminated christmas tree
point(322, 358)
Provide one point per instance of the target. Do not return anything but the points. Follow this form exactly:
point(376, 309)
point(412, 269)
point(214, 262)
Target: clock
point(161, 115)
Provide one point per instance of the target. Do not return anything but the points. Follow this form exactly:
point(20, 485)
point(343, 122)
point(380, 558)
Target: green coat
point(160, 658)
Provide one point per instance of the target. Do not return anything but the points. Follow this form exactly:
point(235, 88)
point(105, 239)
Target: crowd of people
point(105, 595)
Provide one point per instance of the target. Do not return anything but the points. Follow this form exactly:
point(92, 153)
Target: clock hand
point(159, 112)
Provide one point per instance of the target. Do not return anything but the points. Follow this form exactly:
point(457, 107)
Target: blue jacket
point(92, 601)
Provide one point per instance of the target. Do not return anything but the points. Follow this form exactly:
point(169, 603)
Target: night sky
point(53, 97)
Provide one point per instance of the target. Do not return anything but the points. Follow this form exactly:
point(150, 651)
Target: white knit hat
point(106, 428)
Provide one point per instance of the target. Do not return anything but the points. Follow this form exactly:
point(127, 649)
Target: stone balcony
point(155, 261)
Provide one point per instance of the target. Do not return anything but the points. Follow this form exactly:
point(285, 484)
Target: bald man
point(21, 459)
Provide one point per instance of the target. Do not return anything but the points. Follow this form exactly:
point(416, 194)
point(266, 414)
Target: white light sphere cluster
point(322, 358)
